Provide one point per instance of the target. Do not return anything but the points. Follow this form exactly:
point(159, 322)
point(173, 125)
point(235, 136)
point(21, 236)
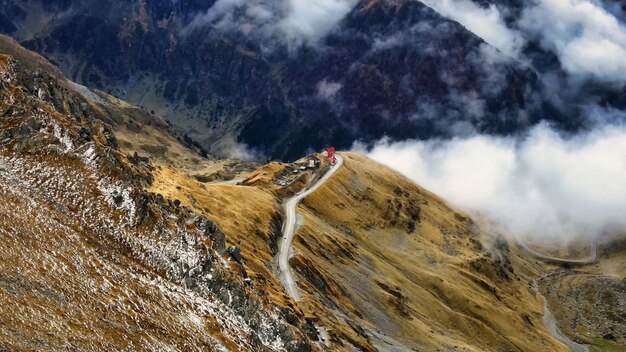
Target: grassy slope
point(249, 216)
point(113, 303)
point(258, 222)
point(246, 215)
point(412, 267)
point(376, 251)
point(62, 284)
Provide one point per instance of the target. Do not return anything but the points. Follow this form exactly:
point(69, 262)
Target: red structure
point(330, 154)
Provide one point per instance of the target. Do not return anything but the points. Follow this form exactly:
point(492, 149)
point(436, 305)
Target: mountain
point(417, 273)
point(93, 251)
point(124, 227)
point(118, 232)
point(388, 68)
point(130, 231)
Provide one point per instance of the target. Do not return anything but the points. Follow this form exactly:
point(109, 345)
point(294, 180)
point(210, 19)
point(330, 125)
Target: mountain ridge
point(118, 231)
point(69, 164)
point(222, 88)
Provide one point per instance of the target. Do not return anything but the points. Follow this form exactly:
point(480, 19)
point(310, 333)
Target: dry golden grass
point(376, 253)
point(248, 216)
point(239, 210)
point(165, 150)
point(67, 281)
point(264, 176)
point(412, 267)
point(31, 60)
point(153, 141)
point(64, 287)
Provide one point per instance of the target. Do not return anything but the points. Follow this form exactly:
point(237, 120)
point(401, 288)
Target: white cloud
point(220, 15)
point(328, 90)
point(229, 147)
point(294, 22)
point(544, 185)
point(487, 23)
point(588, 39)
point(313, 19)
point(586, 35)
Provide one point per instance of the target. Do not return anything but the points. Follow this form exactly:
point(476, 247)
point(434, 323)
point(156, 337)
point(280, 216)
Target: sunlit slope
point(136, 129)
point(248, 216)
point(90, 259)
point(64, 286)
point(251, 218)
point(376, 246)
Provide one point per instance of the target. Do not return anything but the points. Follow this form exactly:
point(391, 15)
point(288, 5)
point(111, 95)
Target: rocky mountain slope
point(389, 68)
point(89, 254)
point(115, 236)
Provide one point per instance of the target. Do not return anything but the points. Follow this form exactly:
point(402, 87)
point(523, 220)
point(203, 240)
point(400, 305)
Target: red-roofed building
point(330, 154)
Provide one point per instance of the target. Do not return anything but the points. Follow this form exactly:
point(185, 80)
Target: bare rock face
point(389, 68)
point(60, 161)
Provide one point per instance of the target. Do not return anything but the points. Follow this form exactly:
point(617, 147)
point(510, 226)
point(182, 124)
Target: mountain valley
point(147, 160)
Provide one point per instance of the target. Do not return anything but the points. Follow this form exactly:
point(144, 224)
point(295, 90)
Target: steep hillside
point(93, 261)
point(402, 266)
point(136, 129)
point(394, 68)
point(251, 217)
point(118, 232)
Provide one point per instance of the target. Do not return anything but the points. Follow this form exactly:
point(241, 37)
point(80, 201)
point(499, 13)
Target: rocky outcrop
point(54, 148)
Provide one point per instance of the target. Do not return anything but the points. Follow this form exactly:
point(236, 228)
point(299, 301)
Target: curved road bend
point(549, 320)
point(289, 230)
point(589, 259)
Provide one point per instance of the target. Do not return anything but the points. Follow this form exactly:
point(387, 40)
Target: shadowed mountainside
point(390, 68)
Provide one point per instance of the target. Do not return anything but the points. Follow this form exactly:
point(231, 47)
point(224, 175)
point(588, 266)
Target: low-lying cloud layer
point(543, 185)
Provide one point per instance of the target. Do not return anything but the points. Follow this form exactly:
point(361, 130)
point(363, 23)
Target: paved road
point(289, 229)
point(550, 322)
point(589, 259)
point(548, 318)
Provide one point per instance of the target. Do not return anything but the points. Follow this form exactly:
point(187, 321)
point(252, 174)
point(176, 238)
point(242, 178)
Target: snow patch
point(63, 137)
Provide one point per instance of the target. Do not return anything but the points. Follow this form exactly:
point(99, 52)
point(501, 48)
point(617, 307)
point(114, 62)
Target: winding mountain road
point(589, 259)
point(550, 323)
point(289, 230)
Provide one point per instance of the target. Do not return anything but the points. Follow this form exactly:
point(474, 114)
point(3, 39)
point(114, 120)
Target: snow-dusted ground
point(61, 210)
point(72, 192)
